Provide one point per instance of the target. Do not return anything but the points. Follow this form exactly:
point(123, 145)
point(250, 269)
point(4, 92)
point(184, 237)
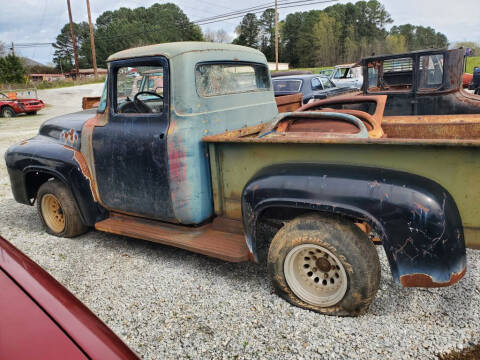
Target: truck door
point(130, 151)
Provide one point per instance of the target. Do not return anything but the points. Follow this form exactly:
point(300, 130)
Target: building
point(87, 73)
point(46, 77)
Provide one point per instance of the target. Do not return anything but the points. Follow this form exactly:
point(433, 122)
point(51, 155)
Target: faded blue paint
point(193, 117)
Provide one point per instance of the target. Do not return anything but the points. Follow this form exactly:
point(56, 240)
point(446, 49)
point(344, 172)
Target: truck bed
point(453, 162)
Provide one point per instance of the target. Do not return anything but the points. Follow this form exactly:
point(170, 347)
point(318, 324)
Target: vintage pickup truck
point(206, 163)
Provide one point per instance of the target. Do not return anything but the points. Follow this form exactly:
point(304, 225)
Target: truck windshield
point(213, 79)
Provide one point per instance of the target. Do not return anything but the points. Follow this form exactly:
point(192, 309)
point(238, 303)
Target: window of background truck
point(134, 80)
point(213, 79)
point(290, 86)
point(103, 100)
point(390, 75)
point(430, 72)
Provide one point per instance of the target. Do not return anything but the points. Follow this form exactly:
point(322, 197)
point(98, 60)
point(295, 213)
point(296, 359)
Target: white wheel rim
point(315, 275)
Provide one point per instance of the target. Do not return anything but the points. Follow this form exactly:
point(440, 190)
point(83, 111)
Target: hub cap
point(315, 275)
point(52, 213)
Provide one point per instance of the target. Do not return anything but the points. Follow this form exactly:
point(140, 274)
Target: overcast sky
point(25, 21)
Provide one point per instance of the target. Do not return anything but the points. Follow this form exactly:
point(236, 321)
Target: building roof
point(173, 49)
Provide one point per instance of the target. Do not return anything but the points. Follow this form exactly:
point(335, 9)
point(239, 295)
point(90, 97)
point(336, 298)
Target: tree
point(219, 36)
point(11, 70)
point(122, 29)
point(248, 31)
point(325, 44)
point(267, 34)
point(419, 37)
point(63, 56)
point(125, 28)
point(396, 44)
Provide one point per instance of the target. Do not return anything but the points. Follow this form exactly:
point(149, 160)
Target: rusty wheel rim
point(52, 213)
point(315, 275)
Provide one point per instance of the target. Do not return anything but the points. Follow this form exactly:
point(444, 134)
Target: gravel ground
point(169, 303)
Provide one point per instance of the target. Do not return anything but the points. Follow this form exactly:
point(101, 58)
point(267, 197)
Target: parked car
point(313, 87)
point(212, 167)
point(40, 319)
point(347, 75)
point(12, 107)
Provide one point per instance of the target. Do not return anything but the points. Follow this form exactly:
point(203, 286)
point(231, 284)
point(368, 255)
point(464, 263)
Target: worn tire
point(73, 224)
point(356, 253)
point(8, 112)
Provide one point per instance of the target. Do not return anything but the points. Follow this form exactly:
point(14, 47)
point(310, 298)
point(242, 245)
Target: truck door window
point(430, 72)
point(390, 75)
point(213, 79)
point(139, 90)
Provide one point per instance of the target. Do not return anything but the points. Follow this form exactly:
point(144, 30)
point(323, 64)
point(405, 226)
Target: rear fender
point(416, 218)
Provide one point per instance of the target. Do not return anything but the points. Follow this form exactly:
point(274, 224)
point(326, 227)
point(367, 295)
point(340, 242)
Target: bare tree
point(219, 36)
point(3, 50)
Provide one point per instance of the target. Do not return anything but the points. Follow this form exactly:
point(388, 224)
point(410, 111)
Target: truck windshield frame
point(219, 86)
point(102, 105)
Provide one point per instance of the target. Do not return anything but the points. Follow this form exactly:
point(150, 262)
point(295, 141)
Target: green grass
point(472, 61)
point(314, 70)
point(66, 83)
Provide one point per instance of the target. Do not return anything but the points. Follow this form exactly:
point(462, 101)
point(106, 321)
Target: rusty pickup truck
point(205, 162)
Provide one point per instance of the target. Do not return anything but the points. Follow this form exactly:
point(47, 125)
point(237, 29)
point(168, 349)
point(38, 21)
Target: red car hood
point(40, 319)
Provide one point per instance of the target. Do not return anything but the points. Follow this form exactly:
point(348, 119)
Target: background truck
point(206, 163)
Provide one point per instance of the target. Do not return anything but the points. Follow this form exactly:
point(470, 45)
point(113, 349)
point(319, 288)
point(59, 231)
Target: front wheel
point(324, 264)
point(8, 112)
point(58, 210)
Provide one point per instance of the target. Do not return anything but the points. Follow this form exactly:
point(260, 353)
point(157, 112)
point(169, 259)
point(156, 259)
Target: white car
point(347, 75)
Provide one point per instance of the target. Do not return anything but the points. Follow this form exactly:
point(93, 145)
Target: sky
point(26, 21)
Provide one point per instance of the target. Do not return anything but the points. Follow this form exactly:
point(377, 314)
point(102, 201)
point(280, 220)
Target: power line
point(259, 8)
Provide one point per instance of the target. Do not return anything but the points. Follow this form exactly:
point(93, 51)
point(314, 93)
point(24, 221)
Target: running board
point(228, 245)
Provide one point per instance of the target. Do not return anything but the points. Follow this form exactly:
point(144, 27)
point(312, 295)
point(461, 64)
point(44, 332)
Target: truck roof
point(172, 49)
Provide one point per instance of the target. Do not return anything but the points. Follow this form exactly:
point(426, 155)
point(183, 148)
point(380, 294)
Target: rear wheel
point(8, 112)
point(58, 210)
point(324, 264)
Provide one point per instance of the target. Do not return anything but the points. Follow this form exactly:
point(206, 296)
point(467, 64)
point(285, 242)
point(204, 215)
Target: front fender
point(62, 162)
point(417, 218)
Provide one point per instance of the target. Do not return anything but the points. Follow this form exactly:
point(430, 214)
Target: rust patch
point(82, 163)
point(424, 280)
point(206, 240)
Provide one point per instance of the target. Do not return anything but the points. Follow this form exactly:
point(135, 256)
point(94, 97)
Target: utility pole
point(74, 41)
point(92, 40)
point(13, 49)
point(276, 36)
